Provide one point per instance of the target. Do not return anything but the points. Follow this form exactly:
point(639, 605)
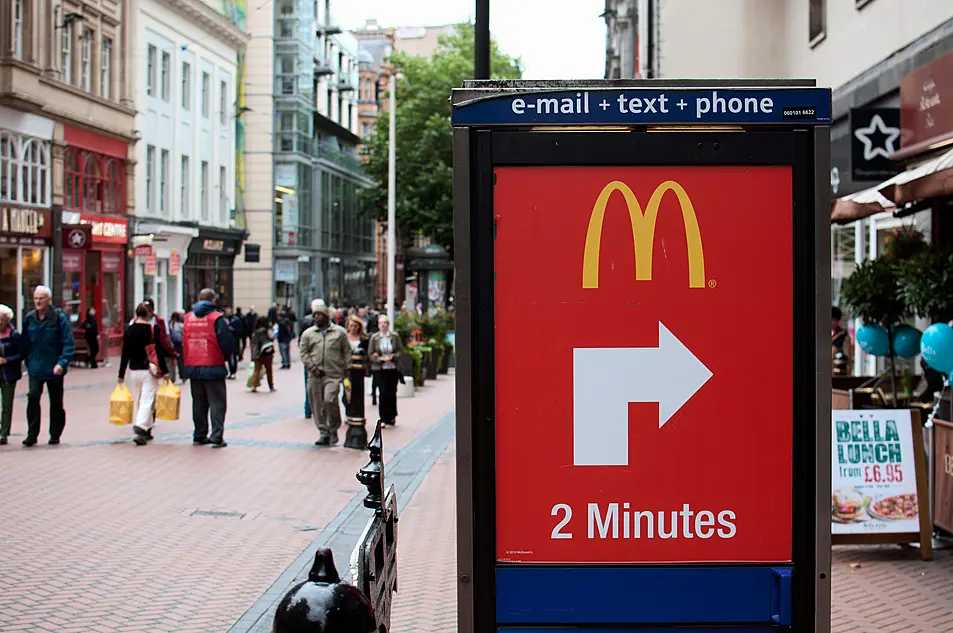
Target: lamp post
point(392, 198)
point(481, 44)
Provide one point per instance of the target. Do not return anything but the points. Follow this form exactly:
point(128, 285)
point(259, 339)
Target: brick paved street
point(100, 535)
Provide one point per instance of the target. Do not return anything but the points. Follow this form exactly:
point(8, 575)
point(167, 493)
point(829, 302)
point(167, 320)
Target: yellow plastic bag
point(167, 402)
point(120, 406)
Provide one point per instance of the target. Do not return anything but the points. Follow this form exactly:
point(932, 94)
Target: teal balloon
point(906, 341)
point(874, 340)
point(936, 345)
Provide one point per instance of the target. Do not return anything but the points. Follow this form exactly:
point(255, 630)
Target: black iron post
point(481, 64)
point(372, 475)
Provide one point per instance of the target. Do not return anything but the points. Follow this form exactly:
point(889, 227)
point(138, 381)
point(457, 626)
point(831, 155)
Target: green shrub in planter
point(425, 353)
point(418, 364)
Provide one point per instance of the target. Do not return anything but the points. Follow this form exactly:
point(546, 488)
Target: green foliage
point(418, 357)
point(432, 329)
point(424, 153)
point(404, 325)
point(926, 282)
point(873, 293)
point(904, 243)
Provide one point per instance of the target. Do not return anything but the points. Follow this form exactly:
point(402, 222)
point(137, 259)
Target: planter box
point(447, 359)
point(407, 389)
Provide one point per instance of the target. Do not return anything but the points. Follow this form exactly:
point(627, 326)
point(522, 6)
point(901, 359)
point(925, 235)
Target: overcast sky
point(556, 40)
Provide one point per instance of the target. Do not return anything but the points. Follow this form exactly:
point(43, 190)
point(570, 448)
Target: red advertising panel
point(644, 364)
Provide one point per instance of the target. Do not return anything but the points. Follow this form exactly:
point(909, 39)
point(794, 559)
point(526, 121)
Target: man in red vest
point(206, 343)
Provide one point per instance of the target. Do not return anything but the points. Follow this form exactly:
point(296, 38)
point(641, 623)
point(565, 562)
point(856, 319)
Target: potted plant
point(873, 293)
point(926, 281)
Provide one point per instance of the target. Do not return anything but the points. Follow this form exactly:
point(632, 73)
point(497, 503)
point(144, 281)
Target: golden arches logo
point(643, 233)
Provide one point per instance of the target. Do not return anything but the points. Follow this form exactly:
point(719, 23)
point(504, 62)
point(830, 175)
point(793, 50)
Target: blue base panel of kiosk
point(706, 597)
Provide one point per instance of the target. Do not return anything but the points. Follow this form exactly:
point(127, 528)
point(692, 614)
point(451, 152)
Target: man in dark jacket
point(207, 343)
point(48, 347)
point(234, 326)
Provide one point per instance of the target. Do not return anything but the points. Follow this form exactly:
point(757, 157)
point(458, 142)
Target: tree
point(424, 192)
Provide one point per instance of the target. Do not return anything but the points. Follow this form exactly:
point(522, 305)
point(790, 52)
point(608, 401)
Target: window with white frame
point(163, 181)
point(66, 52)
point(151, 70)
point(24, 169)
point(223, 103)
point(222, 194)
point(86, 66)
point(18, 29)
point(186, 86)
point(204, 192)
point(185, 188)
point(166, 76)
point(105, 68)
point(150, 175)
point(206, 97)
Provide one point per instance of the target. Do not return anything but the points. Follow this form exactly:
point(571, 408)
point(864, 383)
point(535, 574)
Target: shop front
point(210, 264)
point(160, 254)
point(95, 277)
point(26, 216)
point(25, 239)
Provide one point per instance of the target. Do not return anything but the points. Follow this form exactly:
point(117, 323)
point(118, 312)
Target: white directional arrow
point(606, 380)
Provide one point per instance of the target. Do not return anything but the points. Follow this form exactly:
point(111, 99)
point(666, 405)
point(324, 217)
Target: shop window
point(8, 277)
point(95, 183)
point(24, 169)
point(34, 273)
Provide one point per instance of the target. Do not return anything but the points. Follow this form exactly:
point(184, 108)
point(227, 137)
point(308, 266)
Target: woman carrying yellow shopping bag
point(146, 362)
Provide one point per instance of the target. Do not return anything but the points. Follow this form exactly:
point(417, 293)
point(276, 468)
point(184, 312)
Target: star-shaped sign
point(888, 135)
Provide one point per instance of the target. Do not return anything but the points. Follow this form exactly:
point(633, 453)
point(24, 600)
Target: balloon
point(936, 345)
point(873, 339)
point(906, 341)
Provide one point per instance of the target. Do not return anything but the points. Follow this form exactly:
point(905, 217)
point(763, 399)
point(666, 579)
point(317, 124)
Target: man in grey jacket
point(326, 352)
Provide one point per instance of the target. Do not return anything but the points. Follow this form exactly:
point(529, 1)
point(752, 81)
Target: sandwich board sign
point(628, 452)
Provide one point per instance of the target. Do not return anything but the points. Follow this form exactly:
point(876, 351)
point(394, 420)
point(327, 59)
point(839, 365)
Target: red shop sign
point(175, 263)
point(143, 251)
point(72, 261)
point(112, 262)
point(107, 229)
point(635, 445)
point(77, 236)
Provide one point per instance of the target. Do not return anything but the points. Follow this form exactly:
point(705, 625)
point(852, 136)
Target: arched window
point(94, 182)
point(24, 169)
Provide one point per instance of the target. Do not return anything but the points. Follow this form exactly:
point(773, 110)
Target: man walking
point(207, 342)
point(306, 322)
point(48, 348)
point(326, 352)
point(234, 324)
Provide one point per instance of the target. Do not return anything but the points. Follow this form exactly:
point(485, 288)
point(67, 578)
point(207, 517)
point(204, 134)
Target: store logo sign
point(22, 221)
point(643, 233)
point(213, 245)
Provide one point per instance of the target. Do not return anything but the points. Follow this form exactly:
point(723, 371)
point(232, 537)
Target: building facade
point(67, 121)
point(622, 38)
point(315, 239)
point(185, 238)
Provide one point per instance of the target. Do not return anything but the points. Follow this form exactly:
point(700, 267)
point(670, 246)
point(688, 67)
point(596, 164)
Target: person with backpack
point(176, 328)
point(48, 347)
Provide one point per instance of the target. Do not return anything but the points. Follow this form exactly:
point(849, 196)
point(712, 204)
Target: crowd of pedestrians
point(204, 346)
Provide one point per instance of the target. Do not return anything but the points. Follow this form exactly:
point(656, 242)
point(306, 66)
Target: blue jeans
point(307, 401)
point(285, 349)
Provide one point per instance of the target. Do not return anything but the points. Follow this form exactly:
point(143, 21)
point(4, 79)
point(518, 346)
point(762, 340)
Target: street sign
point(643, 380)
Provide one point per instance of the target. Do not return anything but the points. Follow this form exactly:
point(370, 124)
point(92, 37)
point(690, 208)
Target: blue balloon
point(874, 340)
point(906, 341)
point(936, 345)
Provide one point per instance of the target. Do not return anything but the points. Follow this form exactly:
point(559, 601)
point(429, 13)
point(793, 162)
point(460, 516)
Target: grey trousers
point(208, 400)
point(323, 394)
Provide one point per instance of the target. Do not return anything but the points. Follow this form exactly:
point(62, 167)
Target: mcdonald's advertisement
point(644, 364)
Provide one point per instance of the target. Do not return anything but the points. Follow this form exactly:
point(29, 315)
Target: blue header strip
point(791, 106)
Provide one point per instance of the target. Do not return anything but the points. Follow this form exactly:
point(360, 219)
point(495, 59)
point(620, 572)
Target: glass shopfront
point(211, 265)
point(24, 256)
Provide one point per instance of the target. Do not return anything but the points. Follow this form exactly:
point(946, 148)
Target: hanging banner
point(150, 264)
point(175, 263)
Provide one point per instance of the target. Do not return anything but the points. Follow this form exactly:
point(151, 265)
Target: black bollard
point(324, 604)
point(372, 475)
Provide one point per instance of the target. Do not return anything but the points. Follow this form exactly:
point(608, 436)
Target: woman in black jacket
point(144, 372)
point(11, 360)
point(91, 334)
